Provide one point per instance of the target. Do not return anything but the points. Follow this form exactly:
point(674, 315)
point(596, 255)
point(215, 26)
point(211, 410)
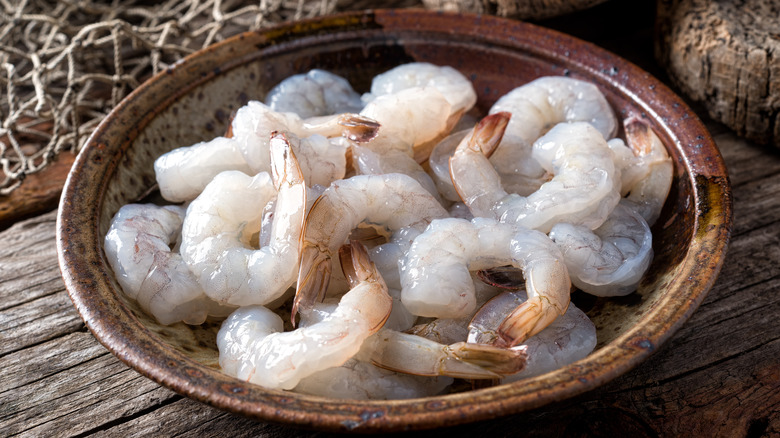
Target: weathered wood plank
point(37, 321)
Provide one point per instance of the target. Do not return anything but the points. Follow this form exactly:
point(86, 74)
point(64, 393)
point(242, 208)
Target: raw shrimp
point(138, 248)
point(610, 260)
point(316, 93)
point(369, 162)
point(412, 121)
point(583, 191)
point(536, 107)
point(393, 201)
point(411, 354)
point(253, 347)
point(359, 380)
point(183, 173)
point(222, 221)
point(649, 192)
point(436, 280)
point(455, 87)
point(569, 338)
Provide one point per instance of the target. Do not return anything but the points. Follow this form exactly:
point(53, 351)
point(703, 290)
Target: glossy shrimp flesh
point(315, 93)
point(253, 346)
point(437, 282)
point(569, 338)
point(138, 248)
point(222, 222)
point(392, 201)
point(584, 188)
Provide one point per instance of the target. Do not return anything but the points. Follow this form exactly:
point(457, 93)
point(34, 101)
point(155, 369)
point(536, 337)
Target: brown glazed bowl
point(193, 100)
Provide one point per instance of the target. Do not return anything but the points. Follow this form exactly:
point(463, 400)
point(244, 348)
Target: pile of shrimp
point(350, 242)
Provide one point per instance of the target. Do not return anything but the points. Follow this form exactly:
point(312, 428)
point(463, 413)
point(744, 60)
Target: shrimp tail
point(526, 320)
point(284, 165)
point(357, 128)
point(313, 279)
point(489, 132)
point(359, 269)
point(640, 137)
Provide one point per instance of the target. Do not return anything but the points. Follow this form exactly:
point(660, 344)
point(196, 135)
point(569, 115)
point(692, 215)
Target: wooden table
point(717, 376)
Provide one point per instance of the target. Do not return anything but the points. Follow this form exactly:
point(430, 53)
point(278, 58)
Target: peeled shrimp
point(359, 380)
point(436, 280)
point(221, 222)
point(583, 190)
point(455, 87)
point(416, 355)
point(184, 172)
point(393, 201)
point(138, 248)
point(316, 93)
point(253, 347)
point(569, 338)
point(369, 162)
point(649, 192)
point(536, 107)
point(610, 260)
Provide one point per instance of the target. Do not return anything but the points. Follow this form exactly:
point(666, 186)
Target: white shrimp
point(436, 280)
point(411, 354)
point(316, 93)
point(536, 107)
point(252, 346)
point(455, 87)
point(359, 380)
point(222, 221)
point(610, 260)
point(412, 121)
point(584, 188)
point(183, 172)
point(393, 201)
point(369, 162)
point(569, 338)
point(138, 248)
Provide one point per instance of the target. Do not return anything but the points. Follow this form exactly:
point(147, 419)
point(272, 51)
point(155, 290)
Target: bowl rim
point(88, 283)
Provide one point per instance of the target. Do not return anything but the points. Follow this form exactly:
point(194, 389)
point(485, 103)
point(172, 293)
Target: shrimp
point(253, 347)
point(369, 162)
point(584, 188)
point(536, 107)
point(610, 260)
point(569, 338)
point(138, 248)
point(411, 354)
point(183, 173)
point(316, 93)
point(393, 201)
point(649, 193)
point(455, 87)
point(436, 280)
point(222, 221)
point(360, 380)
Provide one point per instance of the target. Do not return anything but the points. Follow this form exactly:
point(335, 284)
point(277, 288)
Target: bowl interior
point(193, 101)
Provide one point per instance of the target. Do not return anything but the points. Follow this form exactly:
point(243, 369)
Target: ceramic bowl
point(192, 101)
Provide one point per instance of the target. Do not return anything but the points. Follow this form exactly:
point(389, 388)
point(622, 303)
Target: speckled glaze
point(192, 101)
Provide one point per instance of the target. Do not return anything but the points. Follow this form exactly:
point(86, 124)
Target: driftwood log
point(521, 9)
point(725, 55)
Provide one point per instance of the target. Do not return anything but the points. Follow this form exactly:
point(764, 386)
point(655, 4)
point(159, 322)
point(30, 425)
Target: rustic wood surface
point(719, 375)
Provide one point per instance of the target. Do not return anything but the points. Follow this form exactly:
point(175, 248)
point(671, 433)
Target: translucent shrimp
point(536, 107)
point(221, 223)
point(411, 354)
point(252, 346)
point(413, 120)
point(436, 280)
point(393, 201)
point(360, 380)
point(610, 260)
point(584, 188)
point(138, 248)
point(452, 84)
point(184, 172)
point(316, 93)
point(569, 338)
point(369, 162)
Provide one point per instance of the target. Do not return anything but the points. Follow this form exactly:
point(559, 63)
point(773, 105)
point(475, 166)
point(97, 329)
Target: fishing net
point(65, 64)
